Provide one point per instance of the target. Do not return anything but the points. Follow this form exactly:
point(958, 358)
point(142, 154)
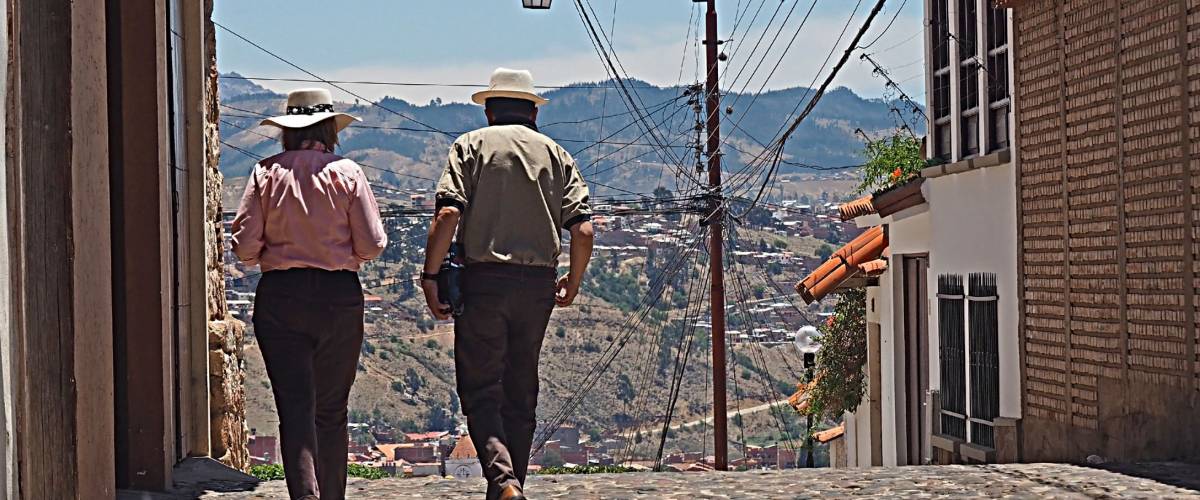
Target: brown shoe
point(512, 492)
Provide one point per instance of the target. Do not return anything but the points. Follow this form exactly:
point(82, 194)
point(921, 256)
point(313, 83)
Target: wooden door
point(916, 359)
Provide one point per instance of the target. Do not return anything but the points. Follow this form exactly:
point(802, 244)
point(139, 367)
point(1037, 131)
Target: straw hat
point(308, 106)
point(511, 83)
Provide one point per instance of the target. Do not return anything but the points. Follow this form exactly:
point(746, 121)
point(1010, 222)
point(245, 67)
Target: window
point(967, 30)
point(943, 135)
point(968, 341)
point(969, 95)
point(968, 92)
point(997, 78)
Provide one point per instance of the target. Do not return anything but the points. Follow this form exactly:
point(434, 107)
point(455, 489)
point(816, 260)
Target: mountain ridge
point(408, 142)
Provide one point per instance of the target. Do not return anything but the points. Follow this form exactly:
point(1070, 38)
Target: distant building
point(463, 463)
point(264, 450)
point(421, 437)
point(416, 452)
point(424, 470)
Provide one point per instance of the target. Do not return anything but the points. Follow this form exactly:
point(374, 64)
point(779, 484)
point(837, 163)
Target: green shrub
point(269, 472)
point(274, 472)
point(359, 470)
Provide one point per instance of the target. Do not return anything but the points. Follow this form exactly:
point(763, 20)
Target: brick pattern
point(1109, 182)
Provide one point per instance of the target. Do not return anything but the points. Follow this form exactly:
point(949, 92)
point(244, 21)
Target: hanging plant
point(891, 161)
point(841, 381)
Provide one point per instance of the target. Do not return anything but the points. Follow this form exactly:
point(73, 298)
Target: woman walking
point(309, 220)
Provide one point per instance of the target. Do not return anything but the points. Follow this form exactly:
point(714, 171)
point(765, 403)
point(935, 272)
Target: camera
point(450, 278)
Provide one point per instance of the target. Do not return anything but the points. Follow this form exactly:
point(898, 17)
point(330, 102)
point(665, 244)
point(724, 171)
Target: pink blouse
point(308, 209)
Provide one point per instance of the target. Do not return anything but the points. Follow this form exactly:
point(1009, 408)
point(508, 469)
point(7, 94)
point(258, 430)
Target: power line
point(408, 84)
point(888, 27)
point(820, 92)
point(327, 82)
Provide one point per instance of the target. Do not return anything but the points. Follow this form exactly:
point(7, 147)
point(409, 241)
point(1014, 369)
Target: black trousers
point(497, 343)
point(309, 325)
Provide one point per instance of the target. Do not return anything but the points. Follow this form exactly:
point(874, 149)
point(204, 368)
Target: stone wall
point(227, 374)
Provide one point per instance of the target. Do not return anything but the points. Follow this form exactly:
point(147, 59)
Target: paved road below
point(991, 481)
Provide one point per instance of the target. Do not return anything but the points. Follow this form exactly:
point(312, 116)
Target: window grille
point(985, 357)
point(951, 337)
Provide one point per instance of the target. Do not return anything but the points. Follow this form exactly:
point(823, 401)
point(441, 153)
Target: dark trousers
point(497, 343)
point(309, 325)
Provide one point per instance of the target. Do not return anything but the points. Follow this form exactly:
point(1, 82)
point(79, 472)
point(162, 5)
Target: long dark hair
point(324, 132)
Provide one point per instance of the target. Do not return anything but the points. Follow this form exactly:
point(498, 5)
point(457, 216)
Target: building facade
point(1108, 175)
point(116, 359)
point(943, 366)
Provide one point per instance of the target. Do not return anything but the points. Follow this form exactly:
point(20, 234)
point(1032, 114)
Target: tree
point(413, 380)
point(825, 252)
point(438, 418)
point(625, 391)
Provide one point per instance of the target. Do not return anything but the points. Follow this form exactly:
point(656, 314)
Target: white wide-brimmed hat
point(511, 83)
point(308, 106)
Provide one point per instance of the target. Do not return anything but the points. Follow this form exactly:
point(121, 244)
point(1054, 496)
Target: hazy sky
point(461, 41)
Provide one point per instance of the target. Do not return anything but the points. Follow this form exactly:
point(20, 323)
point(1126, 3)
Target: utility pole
point(716, 261)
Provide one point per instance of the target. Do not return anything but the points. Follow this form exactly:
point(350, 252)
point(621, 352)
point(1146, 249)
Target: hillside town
point(951, 250)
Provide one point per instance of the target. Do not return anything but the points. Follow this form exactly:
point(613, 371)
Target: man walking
point(509, 191)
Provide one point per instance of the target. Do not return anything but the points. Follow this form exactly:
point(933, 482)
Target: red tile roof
point(464, 449)
point(828, 435)
point(856, 208)
point(800, 400)
point(843, 265)
point(873, 268)
point(885, 202)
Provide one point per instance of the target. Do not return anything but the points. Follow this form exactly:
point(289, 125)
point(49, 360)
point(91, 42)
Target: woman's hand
point(439, 310)
point(567, 290)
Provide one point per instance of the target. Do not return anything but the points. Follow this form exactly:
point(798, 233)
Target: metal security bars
point(985, 357)
point(951, 340)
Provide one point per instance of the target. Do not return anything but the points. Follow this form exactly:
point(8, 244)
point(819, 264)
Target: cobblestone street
point(990, 481)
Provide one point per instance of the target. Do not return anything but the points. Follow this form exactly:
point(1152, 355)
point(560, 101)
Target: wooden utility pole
point(716, 241)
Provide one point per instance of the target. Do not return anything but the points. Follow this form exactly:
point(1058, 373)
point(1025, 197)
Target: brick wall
point(1105, 94)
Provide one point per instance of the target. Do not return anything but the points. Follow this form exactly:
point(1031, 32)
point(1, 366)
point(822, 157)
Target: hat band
point(309, 110)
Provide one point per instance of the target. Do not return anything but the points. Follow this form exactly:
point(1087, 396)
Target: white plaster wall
point(973, 221)
point(908, 231)
point(8, 481)
point(888, 369)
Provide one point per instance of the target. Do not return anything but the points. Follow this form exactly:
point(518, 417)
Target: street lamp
point(807, 343)
point(536, 4)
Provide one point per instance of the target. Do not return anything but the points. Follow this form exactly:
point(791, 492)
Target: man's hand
point(567, 290)
point(439, 310)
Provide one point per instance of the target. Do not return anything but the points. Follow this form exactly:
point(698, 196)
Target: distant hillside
point(391, 142)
